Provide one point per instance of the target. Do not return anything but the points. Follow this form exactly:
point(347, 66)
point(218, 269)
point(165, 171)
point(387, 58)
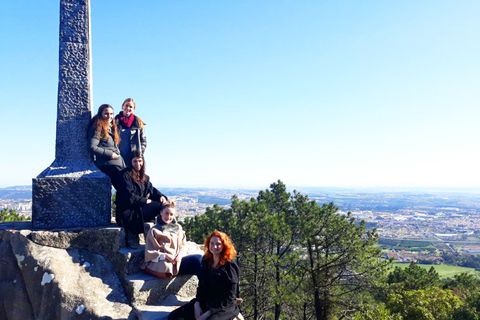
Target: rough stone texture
point(160, 312)
point(73, 65)
point(75, 21)
point(72, 139)
point(66, 98)
point(74, 109)
point(80, 274)
point(12, 285)
point(60, 202)
point(42, 282)
point(104, 241)
point(145, 289)
point(131, 260)
point(72, 192)
point(72, 168)
point(193, 248)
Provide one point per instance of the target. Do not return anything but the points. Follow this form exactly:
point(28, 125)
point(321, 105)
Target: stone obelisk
point(72, 192)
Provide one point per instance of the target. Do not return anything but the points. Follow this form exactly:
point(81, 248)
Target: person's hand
point(149, 201)
point(205, 315)
point(178, 259)
point(170, 257)
point(163, 200)
point(115, 156)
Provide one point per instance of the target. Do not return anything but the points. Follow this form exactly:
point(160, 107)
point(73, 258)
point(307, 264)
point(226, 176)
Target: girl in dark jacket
point(137, 201)
point(103, 140)
point(131, 130)
point(217, 283)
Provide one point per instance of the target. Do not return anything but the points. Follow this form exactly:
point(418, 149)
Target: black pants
point(113, 172)
point(150, 211)
point(191, 264)
point(133, 220)
point(187, 312)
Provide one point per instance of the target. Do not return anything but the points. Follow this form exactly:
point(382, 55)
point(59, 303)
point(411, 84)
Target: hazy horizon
point(311, 189)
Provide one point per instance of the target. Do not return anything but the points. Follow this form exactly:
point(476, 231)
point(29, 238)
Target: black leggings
point(113, 172)
point(187, 312)
point(133, 220)
point(150, 211)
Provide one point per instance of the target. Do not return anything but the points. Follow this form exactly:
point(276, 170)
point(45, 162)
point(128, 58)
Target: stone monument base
point(71, 193)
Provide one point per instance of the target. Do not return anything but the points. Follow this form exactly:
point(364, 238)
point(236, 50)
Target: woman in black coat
point(137, 201)
point(217, 283)
point(104, 138)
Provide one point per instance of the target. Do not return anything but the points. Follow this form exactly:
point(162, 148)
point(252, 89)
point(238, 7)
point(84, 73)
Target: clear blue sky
point(242, 93)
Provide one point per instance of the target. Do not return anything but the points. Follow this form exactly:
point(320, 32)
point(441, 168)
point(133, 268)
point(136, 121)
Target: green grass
point(443, 270)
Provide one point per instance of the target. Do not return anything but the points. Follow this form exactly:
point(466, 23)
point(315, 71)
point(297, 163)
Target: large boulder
point(48, 282)
point(81, 274)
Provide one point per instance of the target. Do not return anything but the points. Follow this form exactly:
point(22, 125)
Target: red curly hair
point(228, 253)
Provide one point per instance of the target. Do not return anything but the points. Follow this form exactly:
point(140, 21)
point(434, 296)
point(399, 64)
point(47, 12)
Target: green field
point(443, 270)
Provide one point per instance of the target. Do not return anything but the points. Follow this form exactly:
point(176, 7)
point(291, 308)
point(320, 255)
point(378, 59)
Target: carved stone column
point(72, 192)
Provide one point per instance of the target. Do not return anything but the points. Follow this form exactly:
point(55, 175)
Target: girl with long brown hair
point(137, 201)
point(103, 140)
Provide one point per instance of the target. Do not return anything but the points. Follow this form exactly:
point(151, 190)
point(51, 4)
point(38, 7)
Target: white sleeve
point(160, 257)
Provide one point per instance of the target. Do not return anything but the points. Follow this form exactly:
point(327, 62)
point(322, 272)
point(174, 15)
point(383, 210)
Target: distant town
point(190, 201)
point(448, 221)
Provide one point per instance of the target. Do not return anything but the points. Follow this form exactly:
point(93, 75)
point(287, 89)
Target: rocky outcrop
point(81, 274)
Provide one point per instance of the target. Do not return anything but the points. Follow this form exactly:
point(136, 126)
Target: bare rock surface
point(160, 312)
point(43, 282)
point(105, 241)
point(145, 289)
point(82, 274)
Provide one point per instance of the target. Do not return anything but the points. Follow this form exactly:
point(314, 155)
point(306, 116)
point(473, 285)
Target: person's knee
point(195, 259)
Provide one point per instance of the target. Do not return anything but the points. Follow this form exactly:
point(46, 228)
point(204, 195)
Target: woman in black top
point(137, 201)
point(217, 283)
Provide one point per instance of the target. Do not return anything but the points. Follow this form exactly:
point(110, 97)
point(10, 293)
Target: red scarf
point(125, 122)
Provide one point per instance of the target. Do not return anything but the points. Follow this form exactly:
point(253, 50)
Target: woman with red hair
point(217, 283)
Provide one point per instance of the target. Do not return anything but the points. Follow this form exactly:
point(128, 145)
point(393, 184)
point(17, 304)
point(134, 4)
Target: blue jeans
point(190, 264)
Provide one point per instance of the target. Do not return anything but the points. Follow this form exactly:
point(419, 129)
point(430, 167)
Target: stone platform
point(82, 273)
point(71, 193)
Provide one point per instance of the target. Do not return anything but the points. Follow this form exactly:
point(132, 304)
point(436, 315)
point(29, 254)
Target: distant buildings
point(471, 249)
point(406, 257)
point(23, 207)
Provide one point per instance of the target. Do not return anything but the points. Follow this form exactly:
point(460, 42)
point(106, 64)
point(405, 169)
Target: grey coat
point(103, 149)
point(133, 138)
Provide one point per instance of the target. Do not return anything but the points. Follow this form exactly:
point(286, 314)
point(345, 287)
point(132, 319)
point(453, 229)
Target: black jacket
point(217, 289)
point(131, 197)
